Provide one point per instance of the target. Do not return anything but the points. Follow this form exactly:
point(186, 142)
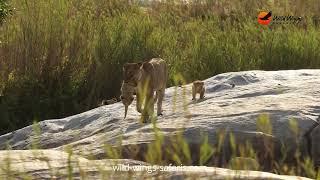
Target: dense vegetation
point(5, 10)
point(61, 57)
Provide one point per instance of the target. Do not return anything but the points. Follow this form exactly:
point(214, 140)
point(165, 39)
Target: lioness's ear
point(139, 64)
point(147, 66)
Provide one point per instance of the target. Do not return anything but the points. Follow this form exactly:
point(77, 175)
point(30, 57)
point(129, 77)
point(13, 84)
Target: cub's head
point(127, 91)
point(198, 85)
point(132, 73)
point(126, 99)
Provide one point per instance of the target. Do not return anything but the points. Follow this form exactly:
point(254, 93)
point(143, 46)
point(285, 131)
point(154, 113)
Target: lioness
point(143, 79)
point(198, 87)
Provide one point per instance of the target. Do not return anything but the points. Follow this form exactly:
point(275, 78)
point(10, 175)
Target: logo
point(264, 18)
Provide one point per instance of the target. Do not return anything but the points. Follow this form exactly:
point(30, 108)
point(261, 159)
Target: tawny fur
point(198, 88)
point(144, 79)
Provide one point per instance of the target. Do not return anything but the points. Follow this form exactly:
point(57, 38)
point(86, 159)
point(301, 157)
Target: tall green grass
point(61, 57)
point(173, 150)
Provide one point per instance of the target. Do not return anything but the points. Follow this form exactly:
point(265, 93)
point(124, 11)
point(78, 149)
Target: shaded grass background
point(62, 57)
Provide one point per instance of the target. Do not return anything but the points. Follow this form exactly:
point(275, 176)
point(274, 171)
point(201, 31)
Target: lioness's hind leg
point(160, 95)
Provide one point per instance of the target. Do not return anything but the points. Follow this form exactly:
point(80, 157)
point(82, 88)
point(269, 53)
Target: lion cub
point(198, 88)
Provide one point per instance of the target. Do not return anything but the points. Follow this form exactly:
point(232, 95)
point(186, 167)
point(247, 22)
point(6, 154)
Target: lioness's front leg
point(160, 95)
point(148, 107)
point(139, 100)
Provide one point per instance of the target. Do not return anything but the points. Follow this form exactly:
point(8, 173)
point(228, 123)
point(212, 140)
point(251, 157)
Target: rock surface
point(50, 164)
point(233, 103)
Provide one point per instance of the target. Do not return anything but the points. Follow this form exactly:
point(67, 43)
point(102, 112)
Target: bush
point(5, 10)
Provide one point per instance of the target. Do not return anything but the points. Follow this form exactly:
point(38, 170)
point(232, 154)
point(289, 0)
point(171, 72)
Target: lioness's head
point(132, 73)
